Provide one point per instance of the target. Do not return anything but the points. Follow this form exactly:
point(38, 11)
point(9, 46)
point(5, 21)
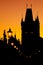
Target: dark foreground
point(13, 57)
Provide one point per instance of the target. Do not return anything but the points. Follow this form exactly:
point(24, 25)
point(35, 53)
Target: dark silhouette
point(31, 50)
point(30, 30)
point(32, 43)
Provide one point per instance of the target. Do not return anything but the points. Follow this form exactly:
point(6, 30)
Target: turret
point(37, 26)
point(4, 35)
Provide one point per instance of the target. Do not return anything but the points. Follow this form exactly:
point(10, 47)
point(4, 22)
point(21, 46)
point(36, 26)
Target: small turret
point(4, 35)
point(37, 27)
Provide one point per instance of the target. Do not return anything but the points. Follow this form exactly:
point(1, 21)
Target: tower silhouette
point(30, 29)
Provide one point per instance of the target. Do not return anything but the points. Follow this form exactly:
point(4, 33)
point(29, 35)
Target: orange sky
point(11, 12)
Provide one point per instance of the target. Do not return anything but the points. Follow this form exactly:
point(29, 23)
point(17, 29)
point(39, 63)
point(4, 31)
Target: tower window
point(26, 32)
point(31, 32)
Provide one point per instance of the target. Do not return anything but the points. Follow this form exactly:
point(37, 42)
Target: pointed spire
point(37, 16)
point(22, 19)
point(31, 5)
point(26, 4)
point(37, 19)
point(15, 35)
point(4, 37)
point(4, 33)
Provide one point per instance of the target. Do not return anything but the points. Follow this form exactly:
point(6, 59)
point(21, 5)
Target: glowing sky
point(11, 12)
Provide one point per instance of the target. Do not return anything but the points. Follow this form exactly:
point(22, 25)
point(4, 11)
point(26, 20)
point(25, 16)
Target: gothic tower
point(30, 28)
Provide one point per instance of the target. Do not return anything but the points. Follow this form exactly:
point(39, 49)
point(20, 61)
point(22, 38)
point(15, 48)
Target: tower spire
point(37, 13)
point(26, 4)
point(31, 5)
point(15, 34)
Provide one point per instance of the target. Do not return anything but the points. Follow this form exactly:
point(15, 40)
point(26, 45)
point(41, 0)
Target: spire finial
point(37, 13)
point(26, 4)
point(31, 5)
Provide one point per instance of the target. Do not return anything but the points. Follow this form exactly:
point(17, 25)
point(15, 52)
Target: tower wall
point(30, 28)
